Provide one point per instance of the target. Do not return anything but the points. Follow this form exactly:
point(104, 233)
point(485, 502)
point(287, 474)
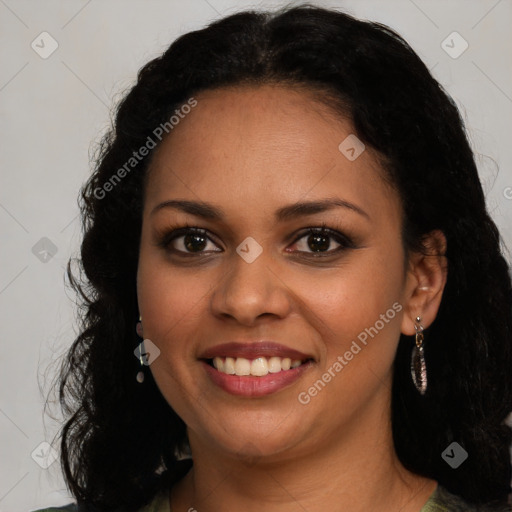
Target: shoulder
point(72, 507)
point(159, 503)
point(444, 501)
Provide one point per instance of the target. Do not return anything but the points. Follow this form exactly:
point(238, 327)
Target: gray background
point(54, 109)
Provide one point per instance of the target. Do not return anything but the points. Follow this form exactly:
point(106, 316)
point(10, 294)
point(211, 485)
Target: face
point(267, 162)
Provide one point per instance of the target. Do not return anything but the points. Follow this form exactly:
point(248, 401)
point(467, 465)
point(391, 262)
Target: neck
point(356, 471)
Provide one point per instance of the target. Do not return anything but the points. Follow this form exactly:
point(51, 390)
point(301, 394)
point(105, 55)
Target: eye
point(315, 242)
point(188, 240)
point(319, 241)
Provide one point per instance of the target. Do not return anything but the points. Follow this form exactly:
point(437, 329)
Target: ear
point(426, 278)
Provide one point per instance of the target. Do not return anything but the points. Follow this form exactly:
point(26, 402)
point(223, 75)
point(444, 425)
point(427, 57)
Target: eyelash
point(171, 234)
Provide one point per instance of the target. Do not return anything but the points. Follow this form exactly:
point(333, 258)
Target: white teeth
point(242, 366)
point(274, 365)
point(258, 367)
point(229, 366)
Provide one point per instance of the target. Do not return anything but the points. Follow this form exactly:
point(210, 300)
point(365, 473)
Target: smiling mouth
point(258, 367)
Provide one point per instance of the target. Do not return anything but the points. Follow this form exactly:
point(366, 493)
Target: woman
point(294, 295)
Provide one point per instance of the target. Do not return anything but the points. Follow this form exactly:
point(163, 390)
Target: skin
point(249, 151)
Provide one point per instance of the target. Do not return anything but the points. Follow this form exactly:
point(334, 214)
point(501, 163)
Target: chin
point(253, 440)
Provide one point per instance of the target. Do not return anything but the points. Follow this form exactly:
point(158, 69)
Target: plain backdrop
point(54, 108)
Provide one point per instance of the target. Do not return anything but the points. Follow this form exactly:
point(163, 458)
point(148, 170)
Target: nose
point(251, 291)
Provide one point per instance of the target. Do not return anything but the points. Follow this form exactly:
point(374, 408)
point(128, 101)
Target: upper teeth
point(258, 367)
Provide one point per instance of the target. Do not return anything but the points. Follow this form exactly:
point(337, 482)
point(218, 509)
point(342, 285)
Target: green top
point(440, 501)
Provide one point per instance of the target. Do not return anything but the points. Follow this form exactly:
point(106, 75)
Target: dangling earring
point(418, 366)
point(138, 327)
point(140, 350)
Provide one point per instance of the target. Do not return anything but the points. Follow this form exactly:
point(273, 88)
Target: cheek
point(357, 293)
point(338, 303)
point(170, 300)
point(172, 306)
point(358, 312)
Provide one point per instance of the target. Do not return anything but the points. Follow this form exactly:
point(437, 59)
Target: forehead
point(272, 141)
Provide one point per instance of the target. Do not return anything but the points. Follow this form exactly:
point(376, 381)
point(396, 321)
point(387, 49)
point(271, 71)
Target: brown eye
point(321, 240)
point(194, 242)
point(188, 241)
point(319, 243)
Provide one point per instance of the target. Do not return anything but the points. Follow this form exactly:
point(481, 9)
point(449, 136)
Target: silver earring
point(418, 366)
point(138, 329)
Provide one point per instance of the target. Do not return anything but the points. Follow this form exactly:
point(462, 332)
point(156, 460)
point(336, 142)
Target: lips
point(251, 369)
point(253, 350)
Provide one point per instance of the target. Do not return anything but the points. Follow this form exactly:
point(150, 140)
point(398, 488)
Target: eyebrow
point(299, 209)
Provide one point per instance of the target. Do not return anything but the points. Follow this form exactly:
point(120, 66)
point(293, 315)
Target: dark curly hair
point(121, 440)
